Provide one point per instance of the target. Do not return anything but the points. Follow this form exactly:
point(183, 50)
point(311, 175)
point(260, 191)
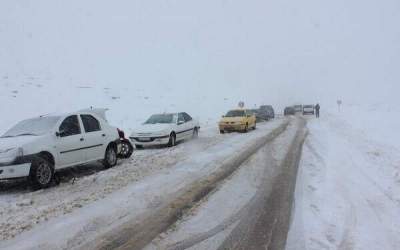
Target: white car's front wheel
point(172, 140)
point(195, 133)
point(110, 158)
point(41, 173)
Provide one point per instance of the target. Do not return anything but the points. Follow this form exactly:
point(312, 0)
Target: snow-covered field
point(348, 190)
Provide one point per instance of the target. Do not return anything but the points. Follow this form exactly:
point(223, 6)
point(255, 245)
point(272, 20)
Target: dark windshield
point(236, 113)
point(35, 126)
point(164, 118)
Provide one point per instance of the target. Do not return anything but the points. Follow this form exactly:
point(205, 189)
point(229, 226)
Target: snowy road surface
point(232, 191)
point(78, 211)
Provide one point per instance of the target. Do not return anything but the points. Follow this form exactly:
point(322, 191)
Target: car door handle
point(82, 139)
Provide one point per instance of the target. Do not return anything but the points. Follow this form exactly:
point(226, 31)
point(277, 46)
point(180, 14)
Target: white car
point(38, 147)
point(165, 129)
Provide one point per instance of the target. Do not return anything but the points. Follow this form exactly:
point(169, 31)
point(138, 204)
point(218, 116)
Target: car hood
point(233, 119)
point(152, 128)
point(15, 142)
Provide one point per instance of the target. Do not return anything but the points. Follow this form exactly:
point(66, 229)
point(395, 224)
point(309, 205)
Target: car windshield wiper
point(26, 134)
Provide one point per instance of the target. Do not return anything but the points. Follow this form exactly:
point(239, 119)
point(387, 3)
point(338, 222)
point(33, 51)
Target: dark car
point(289, 111)
point(308, 110)
point(298, 108)
point(269, 111)
point(261, 115)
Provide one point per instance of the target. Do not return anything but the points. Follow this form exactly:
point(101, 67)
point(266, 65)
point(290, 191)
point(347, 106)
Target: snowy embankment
point(78, 211)
point(348, 190)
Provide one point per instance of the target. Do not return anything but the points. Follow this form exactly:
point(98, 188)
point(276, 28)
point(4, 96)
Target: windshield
point(235, 113)
point(164, 119)
point(35, 126)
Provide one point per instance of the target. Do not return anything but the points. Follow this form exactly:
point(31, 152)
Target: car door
point(94, 137)
point(181, 127)
point(189, 125)
point(70, 142)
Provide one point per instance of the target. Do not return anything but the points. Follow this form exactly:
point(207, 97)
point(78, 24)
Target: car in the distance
point(308, 110)
point(240, 120)
point(165, 129)
point(39, 147)
point(298, 108)
point(267, 110)
point(289, 111)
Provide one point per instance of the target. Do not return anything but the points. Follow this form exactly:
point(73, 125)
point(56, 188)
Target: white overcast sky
point(290, 50)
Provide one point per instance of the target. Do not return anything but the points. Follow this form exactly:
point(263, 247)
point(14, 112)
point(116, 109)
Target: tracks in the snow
point(137, 234)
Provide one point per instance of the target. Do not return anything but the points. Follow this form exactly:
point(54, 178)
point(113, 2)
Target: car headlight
point(9, 155)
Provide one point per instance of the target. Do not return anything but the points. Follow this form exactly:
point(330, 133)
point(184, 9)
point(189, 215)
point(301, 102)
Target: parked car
point(165, 129)
point(308, 110)
point(298, 108)
point(238, 120)
point(289, 111)
point(39, 147)
point(260, 116)
point(268, 110)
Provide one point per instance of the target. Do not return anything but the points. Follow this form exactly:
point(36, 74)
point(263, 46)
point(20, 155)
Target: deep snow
point(348, 190)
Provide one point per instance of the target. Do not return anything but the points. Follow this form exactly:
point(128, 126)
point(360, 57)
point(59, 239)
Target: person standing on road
point(317, 107)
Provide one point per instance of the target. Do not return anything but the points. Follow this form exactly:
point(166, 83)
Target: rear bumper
point(15, 171)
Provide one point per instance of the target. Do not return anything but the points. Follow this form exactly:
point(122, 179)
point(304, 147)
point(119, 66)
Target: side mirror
point(61, 133)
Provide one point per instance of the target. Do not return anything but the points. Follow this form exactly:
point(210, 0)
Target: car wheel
point(42, 173)
point(246, 129)
point(222, 131)
point(110, 158)
point(126, 150)
point(255, 126)
point(172, 140)
point(195, 133)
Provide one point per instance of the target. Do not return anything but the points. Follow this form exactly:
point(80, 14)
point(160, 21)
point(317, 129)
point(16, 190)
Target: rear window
point(90, 123)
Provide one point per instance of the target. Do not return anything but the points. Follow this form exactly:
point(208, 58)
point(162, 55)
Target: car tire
point(110, 157)
point(195, 133)
point(172, 140)
point(222, 131)
point(255, 126)
point(41, 174)
point(246, 129)
point(126, 150)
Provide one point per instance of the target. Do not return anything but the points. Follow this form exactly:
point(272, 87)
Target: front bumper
point(232, 127)
point(15, 171)
point(150, 141)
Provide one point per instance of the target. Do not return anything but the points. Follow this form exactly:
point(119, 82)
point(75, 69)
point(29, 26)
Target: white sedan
point(165, 129)
point(38, 147)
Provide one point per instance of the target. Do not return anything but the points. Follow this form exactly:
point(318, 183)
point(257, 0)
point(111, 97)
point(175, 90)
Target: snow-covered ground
point(80, 210)
point(208, 224)
point(348, 190)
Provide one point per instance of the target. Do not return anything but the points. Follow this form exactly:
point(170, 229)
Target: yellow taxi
point(238, 120)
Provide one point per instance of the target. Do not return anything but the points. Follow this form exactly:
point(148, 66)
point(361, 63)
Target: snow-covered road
point(348, 191)
point(76, 212)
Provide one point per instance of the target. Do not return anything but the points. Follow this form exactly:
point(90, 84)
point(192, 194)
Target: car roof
point(96, 111)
